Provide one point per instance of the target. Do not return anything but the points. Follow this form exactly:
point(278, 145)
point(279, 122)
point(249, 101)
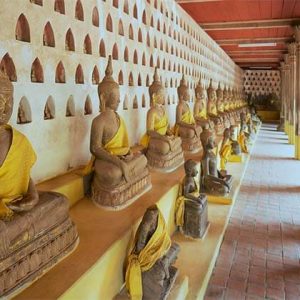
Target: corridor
point(259, 257)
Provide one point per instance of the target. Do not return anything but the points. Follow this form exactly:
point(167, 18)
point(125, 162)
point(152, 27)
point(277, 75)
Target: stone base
point(165, 163)
point(123, 195)
point(191, 145)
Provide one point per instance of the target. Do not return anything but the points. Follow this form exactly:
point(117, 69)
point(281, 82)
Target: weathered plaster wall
point(182, 47)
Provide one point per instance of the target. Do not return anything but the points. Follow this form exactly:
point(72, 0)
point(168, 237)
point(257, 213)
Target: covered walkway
point(259, 257)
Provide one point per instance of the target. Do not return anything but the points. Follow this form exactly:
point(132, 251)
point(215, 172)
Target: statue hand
point(26, 203)
point(125, 171)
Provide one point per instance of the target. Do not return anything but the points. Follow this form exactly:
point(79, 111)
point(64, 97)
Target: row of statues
point(35, 228)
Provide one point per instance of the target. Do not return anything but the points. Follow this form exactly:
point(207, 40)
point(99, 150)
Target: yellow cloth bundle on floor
point(157, 246)
point(15, 171)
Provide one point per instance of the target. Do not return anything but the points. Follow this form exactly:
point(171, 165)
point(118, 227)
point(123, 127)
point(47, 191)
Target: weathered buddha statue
point(47, 113)
point(226, 117)
point(206, 133)
point(236, 148)
point(213, 181)
point(231, 107)
point(186, 126)
point(35, 229)
point(243, 137)
point(149, 272)
point(226, 149)
point(212, 109)
point(119, 175)
point(200, 111)
point(191, 214)
point(163, 148)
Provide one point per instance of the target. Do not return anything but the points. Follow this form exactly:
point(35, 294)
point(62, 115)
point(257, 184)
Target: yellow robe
point(15, 171)
point(158, 245)
point(242, 140)
point(202, 114)
point(225, 153)
point(160, 125)
point(187, 118)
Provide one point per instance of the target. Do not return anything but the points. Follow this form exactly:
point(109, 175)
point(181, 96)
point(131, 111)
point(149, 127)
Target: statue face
point(186, 95)
point(112, 100)
point(6, 107)
point(160, 96)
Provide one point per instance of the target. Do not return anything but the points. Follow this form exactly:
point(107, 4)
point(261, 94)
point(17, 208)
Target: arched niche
point(135, 57)
point(70, 108)
point(126, 7)
point(147, 81)
point(87, 45)
point(139, 80)
point(130, 80)
point(79, 14)
point(126, 55)
point(37, 73)
point(95, 76)
point(49, 110)
point(148, 40)
point(22, 29)
point(135, 12)
point(102, 50)
point(69, 42)
point(37, 2)
point(8, 67)
point(79, 78)
point(24, 112)
point(144, 17)
point(144, 59)
point(120, 78)
point(109, 23)
point(143, 101)
point(125, 103)
point(115, 52)
point(121, 28)
point(140, 36)
point(60, 75)
point(59, 6)
point(135, 104)
point(131, 35)
point(48, 36)
point(95, 17)
point(88, 106)
point(151, 61)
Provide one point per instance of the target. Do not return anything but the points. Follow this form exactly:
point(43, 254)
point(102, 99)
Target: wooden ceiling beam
point(257, 24)
point(197, 1)
point(238, 52)
point(278, 40)
point(256, 59)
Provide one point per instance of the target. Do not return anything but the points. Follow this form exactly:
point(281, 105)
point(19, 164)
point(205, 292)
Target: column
point(280, 127)
point(292, 94)
point(286, 93)
point(297, 88)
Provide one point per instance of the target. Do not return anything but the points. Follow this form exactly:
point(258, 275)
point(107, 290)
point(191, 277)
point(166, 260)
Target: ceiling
point(234, 22)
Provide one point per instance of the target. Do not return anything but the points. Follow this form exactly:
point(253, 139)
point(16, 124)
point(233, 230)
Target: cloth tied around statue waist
point(187, 118)
point(158, 245)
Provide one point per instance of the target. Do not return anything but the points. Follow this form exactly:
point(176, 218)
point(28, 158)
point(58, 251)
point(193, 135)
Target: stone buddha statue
point(163, 148)
point(233, 134)
point(213, 181)
point(191, 207)
point(243, 137)
point(200, 111)
point(35, 228)
point(212, 109)
point(230, 107)
point(119, 175)
point(149, 272)
point(226, 118)
point(186, 126)
point(206, 133)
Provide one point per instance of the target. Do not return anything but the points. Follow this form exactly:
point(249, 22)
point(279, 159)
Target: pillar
point(280, 127)
point(292, 94)
point(297, 88)
point(286, 93)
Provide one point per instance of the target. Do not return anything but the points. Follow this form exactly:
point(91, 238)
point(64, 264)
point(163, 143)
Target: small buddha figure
point(206, 133)
point(243, 136)
point(186, 126)
point(119, 175)
point(212, 109)
point(149, 272)
point(35, 229)
point(47, 112)
point(213, 181)
point(236, 148)
point(21, 115)
point(200, 111)
point(163, 148)
point(191, 206)
point(33, 76)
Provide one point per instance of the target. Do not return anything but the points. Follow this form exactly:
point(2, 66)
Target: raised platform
point(95, 269)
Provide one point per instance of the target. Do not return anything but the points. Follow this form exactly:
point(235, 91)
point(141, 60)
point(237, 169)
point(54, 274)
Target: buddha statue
point(230, 107)
point(191, 206)
point(206, 133)
point(120, 176)
point(212, 109)
point(243, 137)
point(186, 126)
point(47, 112)
point(35, 228)
point(213, 181)
point(200, 111)
point(163, 148)
point(21, 115)
point(236, 148)
point(226, 116)
point(149, 270)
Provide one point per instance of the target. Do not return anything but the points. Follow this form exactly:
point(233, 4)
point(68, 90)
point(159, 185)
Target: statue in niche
point(120, 176)
point(191, 206)
point(212, 109)
point(213, 181)
point(186, 126)
point(200, 111)
point(149, 271)
point(163, 149)
point(21, 119)
point(33, 76)
point(35, 229)
point(47, 112)
point(87, 108)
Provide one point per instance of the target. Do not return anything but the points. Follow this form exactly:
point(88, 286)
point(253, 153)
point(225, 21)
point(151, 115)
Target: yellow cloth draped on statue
point(225, 153)
point(221, 108)
point(213, 110)
point(226, 106)
point(118, 145)
point(187, 118)
point(158, 245)
point(15, 171)
point(202, 114)
point(160, 125)
point(179, 205)
point(242, 140)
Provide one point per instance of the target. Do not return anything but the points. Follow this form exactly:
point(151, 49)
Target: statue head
point(6, 99)
point(183, 90)
point(190, 168)
point(200, 91)
point(211, 93)
point(151, 215)
point(156, 90)
point(219, 92)
point(108, 90)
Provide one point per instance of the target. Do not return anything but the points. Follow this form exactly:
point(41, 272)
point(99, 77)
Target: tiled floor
point(259, 257)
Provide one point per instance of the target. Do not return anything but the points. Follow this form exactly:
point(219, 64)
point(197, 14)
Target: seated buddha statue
point(212, 109)
point(200, 111)
point(231, 107)
point(233, 133)
point(35, 228)
point(186, 126)
point(191, 214)
point(120, 176)
point(163, 148)
point(243, 137)
point(213, 181)
point(226, 117)
point(149, 270)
